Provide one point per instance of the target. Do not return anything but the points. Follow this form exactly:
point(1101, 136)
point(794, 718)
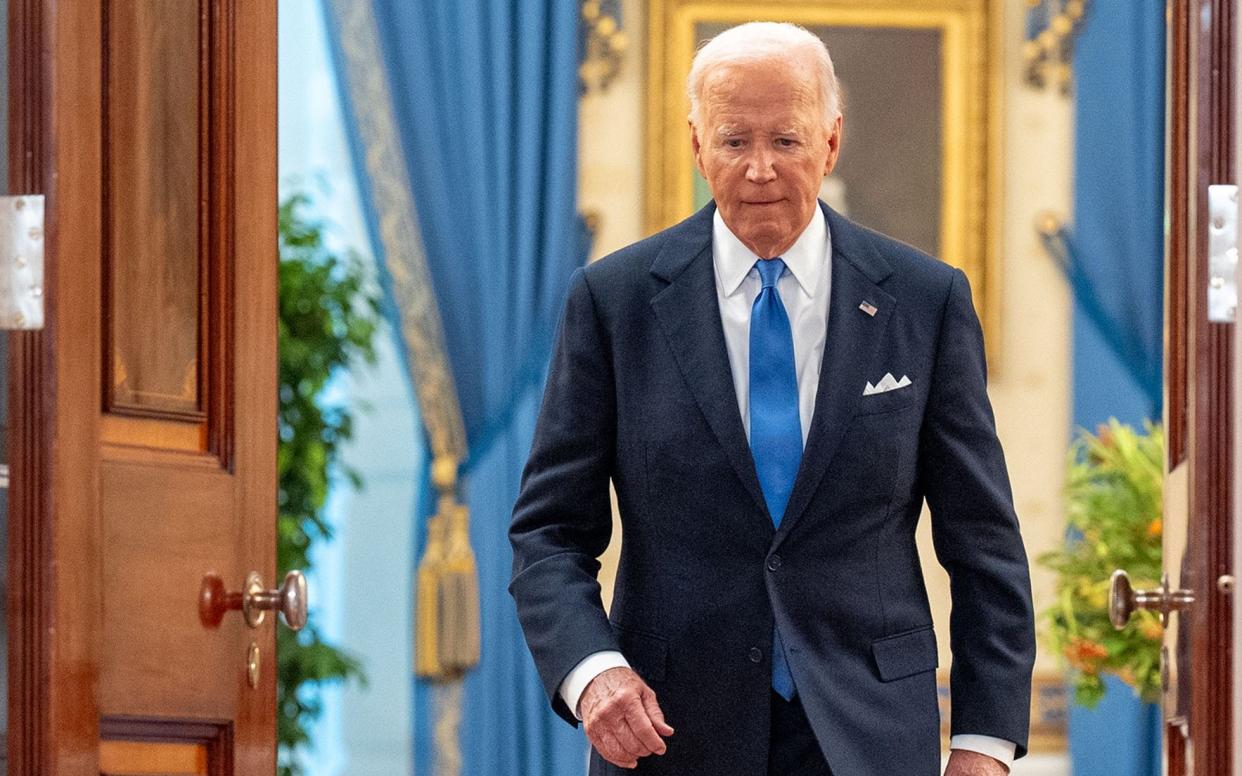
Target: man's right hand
point(621, 717)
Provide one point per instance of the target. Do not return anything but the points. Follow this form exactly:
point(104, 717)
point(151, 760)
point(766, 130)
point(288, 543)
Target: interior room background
point(1053, 372)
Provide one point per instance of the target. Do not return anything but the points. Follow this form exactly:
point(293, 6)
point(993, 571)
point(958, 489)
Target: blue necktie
point(775, 428)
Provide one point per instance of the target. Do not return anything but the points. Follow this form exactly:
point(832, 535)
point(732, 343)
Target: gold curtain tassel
point(459, 597)
point(427, 663)
point(448, 639)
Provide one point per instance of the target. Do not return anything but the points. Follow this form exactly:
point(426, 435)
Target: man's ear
point(834, 146)
point(696, 147)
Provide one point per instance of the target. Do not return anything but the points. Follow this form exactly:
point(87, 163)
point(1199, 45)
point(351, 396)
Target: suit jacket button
point(756, 655)
point(774, 563)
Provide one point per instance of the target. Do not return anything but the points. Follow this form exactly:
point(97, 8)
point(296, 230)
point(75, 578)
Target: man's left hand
point(963, 762)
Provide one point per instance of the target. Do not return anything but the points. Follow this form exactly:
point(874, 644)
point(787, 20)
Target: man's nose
point(759, 169)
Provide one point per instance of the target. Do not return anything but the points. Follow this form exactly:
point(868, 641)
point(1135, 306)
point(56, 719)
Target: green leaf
point(1114, 501)
point(329, 315)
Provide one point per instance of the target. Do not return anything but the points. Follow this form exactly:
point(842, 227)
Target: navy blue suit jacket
point(640, 393)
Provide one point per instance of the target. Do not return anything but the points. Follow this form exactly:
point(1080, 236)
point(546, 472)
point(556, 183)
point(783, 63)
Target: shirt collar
point(806, 259)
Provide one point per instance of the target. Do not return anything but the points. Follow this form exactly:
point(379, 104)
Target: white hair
point(757, 41)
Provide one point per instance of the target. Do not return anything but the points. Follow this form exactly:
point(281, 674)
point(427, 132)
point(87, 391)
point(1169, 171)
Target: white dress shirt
point(805, 290)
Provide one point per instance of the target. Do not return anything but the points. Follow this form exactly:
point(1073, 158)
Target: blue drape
point(485, 93)
point(1118, 250)
point(1118, 233)
point(485, 100)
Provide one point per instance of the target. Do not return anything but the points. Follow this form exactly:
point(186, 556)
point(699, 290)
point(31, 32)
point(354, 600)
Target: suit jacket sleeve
point(975, 534)
point(562, 521)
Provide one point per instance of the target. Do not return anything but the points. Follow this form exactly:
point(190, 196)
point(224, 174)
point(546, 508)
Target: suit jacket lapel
point(850, 349)
point(689, 314)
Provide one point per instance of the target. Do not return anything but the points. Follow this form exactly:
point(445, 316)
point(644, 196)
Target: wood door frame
point(1210, 411)
point(27, 718)
point(62, 665)
point(1198, 368)
point(1237, 420)
point(54, 616)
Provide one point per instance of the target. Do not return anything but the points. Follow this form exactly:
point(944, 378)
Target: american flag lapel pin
point(867, 308)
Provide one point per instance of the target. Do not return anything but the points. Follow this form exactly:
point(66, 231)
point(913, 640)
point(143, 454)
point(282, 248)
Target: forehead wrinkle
point(727, 128)
point(722, 98)
point(721, 77)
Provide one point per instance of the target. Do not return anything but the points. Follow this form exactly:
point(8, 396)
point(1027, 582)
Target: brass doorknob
point(1123, 599)
point(255, 600)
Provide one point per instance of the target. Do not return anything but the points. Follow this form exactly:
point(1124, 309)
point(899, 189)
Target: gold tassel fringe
point(427, 616)
point(447, 639)
point(459, 597)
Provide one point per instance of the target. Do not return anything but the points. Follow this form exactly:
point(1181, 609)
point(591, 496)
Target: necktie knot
point(770, 271)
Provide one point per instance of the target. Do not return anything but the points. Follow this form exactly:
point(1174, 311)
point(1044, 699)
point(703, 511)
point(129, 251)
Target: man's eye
point(786, 142)
point(733, 142)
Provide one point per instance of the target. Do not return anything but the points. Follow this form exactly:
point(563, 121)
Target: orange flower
point(1085, 655)
point(1155, 527)
point(1105, 434)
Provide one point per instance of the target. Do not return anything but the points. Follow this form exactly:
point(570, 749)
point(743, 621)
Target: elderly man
point(772, 390)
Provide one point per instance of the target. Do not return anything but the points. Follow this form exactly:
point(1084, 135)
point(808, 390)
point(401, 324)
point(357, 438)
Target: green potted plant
point(1114, 500)
point(328, 318)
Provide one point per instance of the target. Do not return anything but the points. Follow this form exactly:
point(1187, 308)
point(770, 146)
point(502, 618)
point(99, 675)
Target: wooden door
point(1197, 650)
point(144, 414)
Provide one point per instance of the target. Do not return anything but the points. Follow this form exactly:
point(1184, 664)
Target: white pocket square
point(887, 383)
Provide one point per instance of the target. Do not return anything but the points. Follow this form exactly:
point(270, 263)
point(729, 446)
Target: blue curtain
point(485, 93)
point(484, 97)
point(1118, 237)
point(1117, 273)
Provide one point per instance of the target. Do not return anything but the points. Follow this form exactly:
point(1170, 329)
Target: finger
point(614, 753)
point(649, 742)
point(606, 745)
point(640, 726)
point(655, 714)
point(646, 737)
point(610, 720)
point(627, 739)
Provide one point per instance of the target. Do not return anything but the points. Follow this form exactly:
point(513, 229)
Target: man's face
point(764, 148)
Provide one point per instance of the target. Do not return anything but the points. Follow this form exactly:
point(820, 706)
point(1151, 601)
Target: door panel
point(157, 111)
point(130, 748)
point(148, 443)
point(1198, 416)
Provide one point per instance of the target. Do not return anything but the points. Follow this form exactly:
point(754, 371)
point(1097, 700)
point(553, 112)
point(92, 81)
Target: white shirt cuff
point(575, 683)
point(588, 668)
point(996, 748)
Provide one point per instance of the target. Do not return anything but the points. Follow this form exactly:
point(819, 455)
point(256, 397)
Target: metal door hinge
point(1222, 292)
point(21, 262)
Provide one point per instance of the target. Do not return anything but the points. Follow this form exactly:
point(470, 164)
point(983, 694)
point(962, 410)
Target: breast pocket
point(887, 401)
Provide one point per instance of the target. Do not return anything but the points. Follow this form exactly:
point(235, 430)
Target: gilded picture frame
point(919, 77)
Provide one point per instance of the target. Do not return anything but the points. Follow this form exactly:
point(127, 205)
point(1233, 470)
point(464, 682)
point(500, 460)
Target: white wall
point(369, 570)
